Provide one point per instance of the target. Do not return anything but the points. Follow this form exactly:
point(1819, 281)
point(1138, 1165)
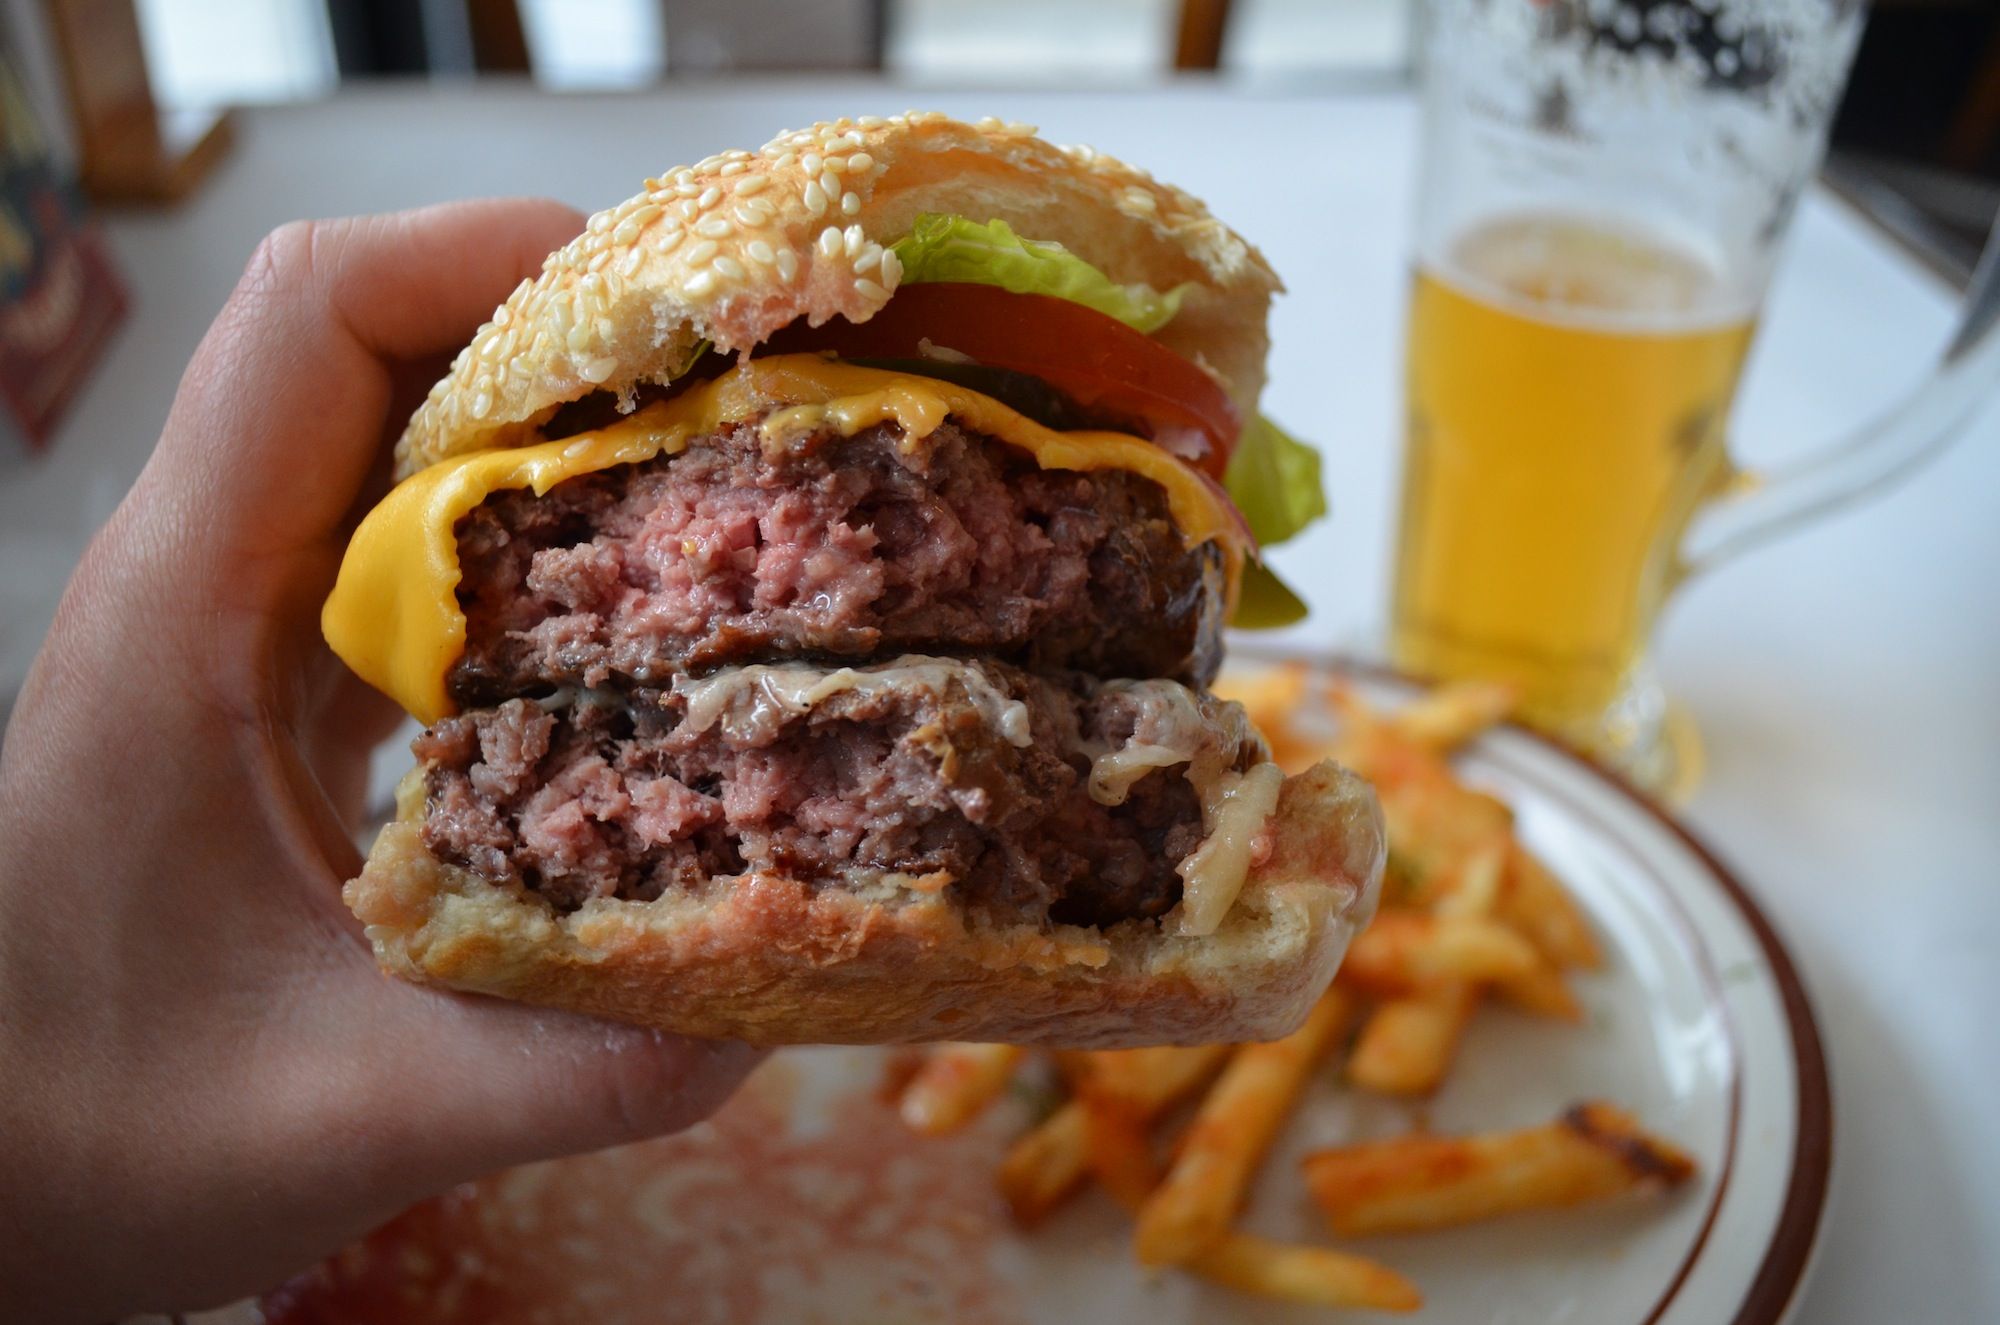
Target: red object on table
point(60, 297)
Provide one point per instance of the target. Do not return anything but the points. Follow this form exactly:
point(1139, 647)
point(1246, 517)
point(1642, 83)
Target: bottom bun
point(772, 961)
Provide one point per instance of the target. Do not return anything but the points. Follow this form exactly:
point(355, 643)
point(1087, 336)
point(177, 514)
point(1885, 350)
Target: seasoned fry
point(1317, 1276)
point(1407, 1044)
point(1452, 715)
point(1123, 1162)
point(1424, 1182)
point(955, 1085)
point(1191, 1209)
point(1404, 950)
point(1535, 903)
point(1048, 1163)
point(1542, 991)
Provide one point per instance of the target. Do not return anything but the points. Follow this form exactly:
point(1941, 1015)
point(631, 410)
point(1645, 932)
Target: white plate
point(805, 1202)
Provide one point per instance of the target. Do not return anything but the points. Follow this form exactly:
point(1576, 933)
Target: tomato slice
point(1096, 360)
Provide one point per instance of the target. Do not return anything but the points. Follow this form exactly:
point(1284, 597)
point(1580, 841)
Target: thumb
point(474, 1084)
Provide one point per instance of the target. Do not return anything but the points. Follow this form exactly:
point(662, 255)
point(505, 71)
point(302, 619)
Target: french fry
point(1452, 715)
point(1122, 1161)
point(955, 1085)
point(1047, 1164)
point(1190, 1211)
point(1424, 1182)
point(1316, 1276)
point(1536, 904)
point(1542, 991)
point(1404, 950)
point(1407, 1044)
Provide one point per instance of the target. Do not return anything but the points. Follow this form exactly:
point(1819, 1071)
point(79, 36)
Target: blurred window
point(1031, 41)
point(227, 52)
point(1303, 37)
point(576, 44)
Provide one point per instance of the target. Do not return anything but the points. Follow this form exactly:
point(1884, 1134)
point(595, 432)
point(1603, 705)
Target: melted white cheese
point(1234, 810)
point(753, 702)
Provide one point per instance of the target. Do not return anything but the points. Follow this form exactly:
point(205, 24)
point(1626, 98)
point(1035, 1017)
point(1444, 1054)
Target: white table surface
point(1847, 681)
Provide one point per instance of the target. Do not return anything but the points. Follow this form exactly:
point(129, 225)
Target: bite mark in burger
point(813, 621)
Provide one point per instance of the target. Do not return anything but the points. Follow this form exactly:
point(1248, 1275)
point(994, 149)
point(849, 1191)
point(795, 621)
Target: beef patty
point(1028, 797)
point(739, 548)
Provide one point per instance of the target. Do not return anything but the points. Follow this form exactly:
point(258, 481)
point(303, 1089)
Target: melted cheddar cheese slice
point(394, 616)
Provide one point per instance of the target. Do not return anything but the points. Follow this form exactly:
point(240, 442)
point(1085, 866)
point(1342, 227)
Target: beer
point(1568, 384)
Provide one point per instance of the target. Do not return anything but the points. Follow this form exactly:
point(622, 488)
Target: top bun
point(739, 245)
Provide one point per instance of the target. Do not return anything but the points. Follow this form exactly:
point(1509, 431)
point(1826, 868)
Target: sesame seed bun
point(773, 960)
point(735, 247)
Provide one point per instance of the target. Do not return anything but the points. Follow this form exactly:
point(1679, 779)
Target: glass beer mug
point(1603, 189)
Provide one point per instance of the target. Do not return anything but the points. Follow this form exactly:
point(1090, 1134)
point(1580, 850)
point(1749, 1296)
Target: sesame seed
point(598, 370)
point(1139, 200)
point(709, 197)
point(688, 209)
point(860, 161)
point(760, 252)
point(706, 164)
point(604, 328)
point(750, 184)
point(631, 261)
point(503, 315)
point(869, 257)
point(732, 168)
point(854, 239)
point(892, 269)
point(870, 121)
point(702, 252)
point(829, 184)
point(592, 285)
point(815, 199)
point(835, 165)
point(578, 339)
point(1016, 129)
point(482, 404)
point(813, 163)
point(597, 223)
point(715, 227)
point(850, 203)
point(784, 161)
point(829, 241)
point(750, 217)
point(788, 265)
point(688, 189)
point(729, 267)
point(700, 284)
point(869, 289)
point(988, 124)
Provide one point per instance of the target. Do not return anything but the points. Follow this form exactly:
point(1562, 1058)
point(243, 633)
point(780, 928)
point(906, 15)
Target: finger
point(458, 1085)
point(280, 415)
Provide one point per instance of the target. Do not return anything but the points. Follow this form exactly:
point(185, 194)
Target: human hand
point(205, 1083)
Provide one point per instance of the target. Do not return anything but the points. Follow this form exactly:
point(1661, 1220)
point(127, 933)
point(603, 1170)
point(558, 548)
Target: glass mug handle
point(1873, 457)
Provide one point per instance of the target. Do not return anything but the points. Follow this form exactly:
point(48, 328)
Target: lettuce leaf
point(1274, 480)
point(952, 248)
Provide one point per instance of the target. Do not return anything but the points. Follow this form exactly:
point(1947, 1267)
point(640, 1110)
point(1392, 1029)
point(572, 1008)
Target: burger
point(810, 584)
